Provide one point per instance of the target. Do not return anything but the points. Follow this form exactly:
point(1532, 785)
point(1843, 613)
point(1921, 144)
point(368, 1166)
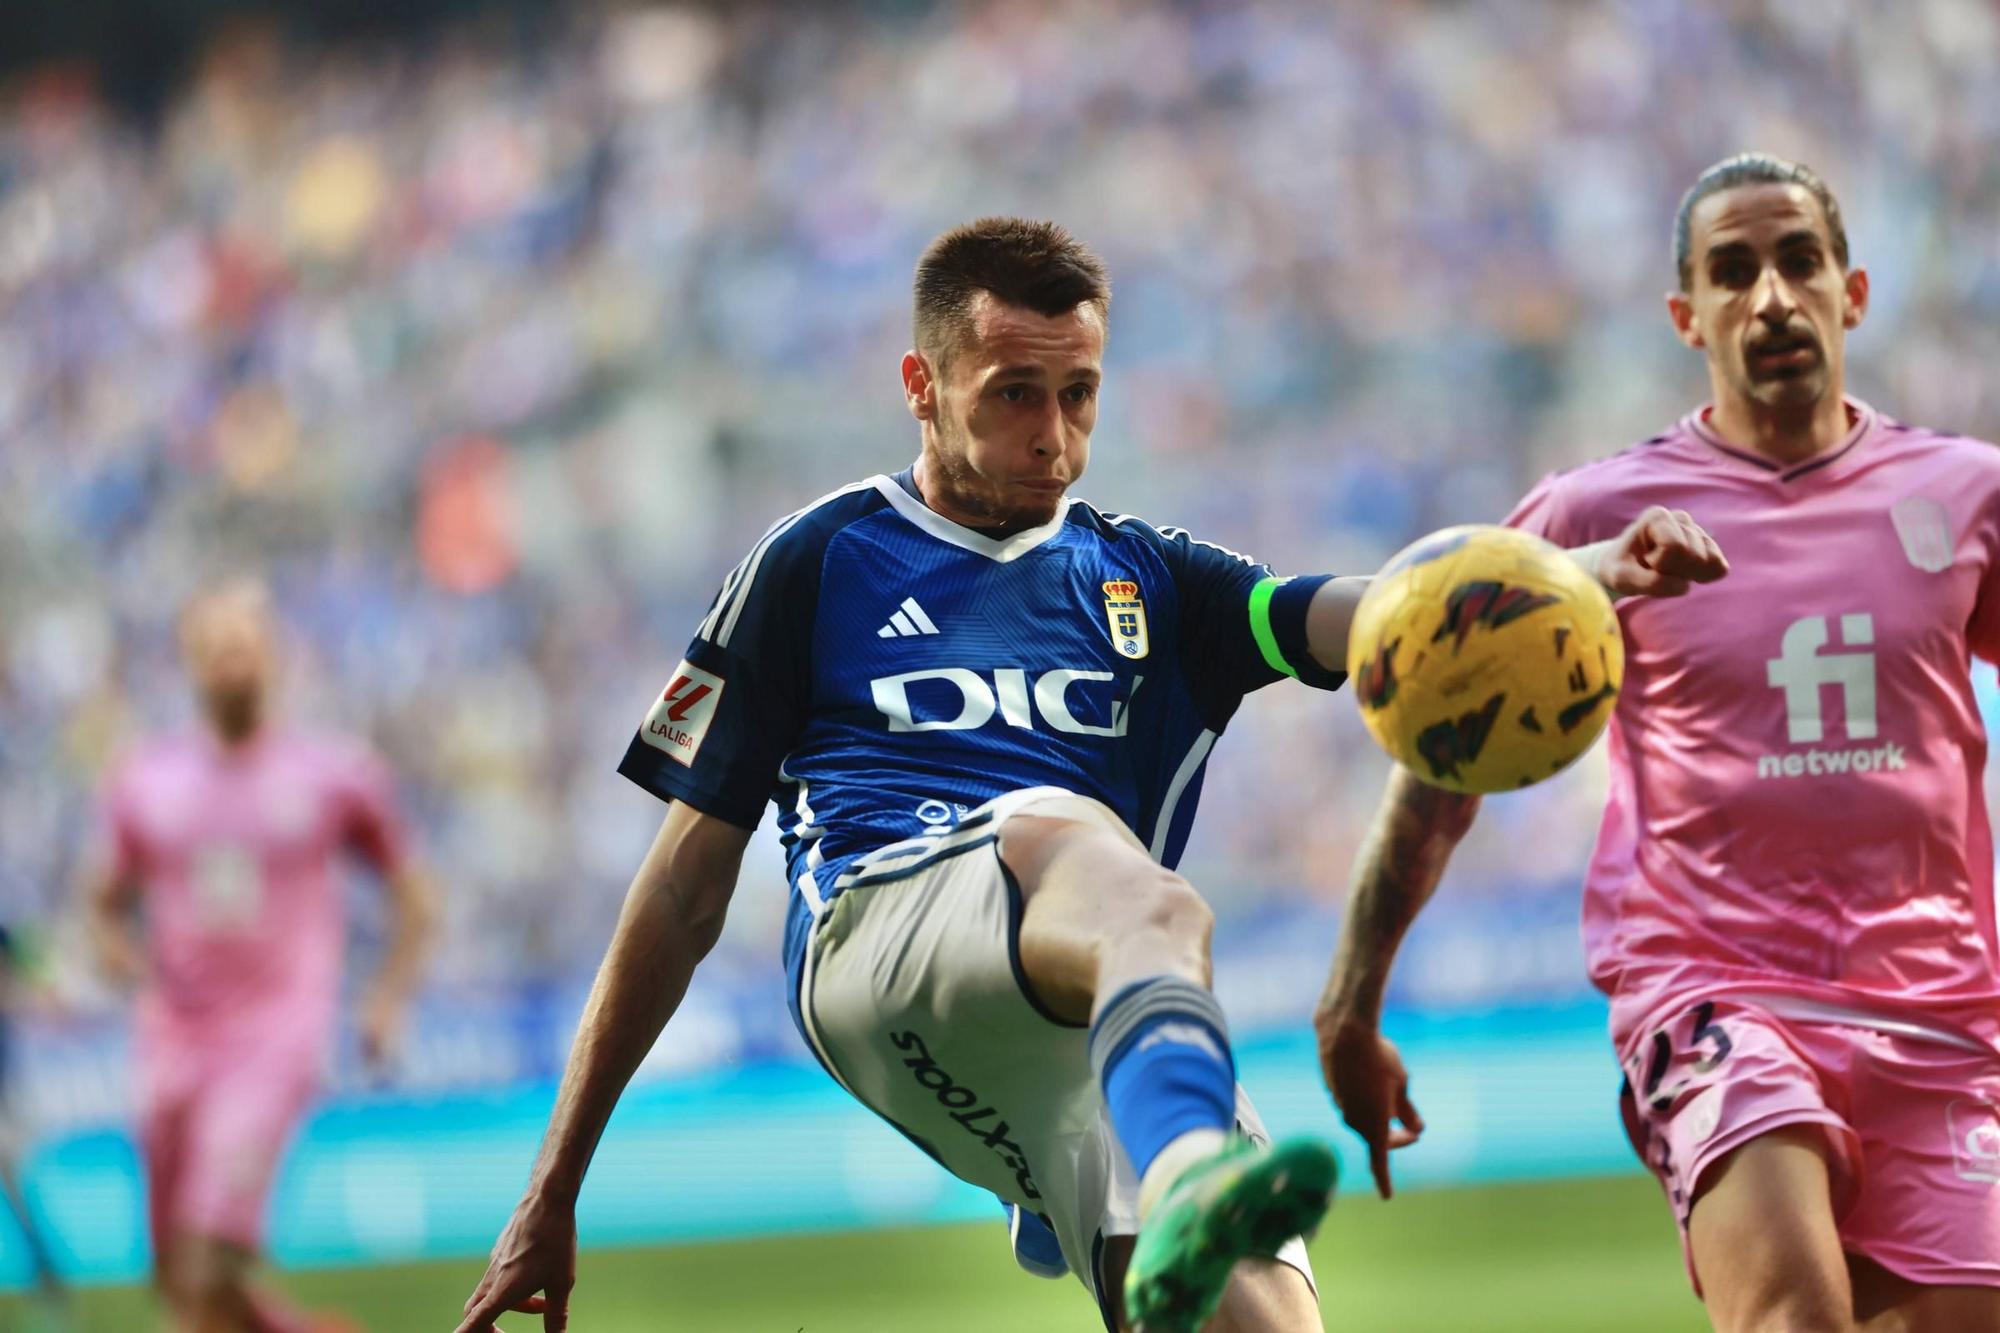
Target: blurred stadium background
point(493, 334)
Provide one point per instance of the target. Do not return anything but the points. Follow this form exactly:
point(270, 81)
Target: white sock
point(1175, 1158)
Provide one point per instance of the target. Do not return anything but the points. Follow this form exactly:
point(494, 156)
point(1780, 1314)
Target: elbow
point(704, 931)
point(697, 910)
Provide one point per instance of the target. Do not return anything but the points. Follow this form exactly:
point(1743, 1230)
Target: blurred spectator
point(496, 356)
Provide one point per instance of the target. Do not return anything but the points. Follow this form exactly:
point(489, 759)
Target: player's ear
point(919, 385)
point(1681, 311)
point(1856, 304)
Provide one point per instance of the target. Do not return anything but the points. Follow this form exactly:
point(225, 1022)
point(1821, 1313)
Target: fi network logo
point(1802, 670)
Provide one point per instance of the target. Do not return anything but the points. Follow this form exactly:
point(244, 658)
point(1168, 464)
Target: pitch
point(1557, 1257)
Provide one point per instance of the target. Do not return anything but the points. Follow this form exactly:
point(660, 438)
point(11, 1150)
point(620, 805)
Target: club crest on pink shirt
point(1925, 530)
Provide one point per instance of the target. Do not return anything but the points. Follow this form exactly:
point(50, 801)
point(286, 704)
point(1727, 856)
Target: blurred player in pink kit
point(1791, 901)
point(225, 840)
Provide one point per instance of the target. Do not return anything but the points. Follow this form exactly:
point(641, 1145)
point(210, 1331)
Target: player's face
point(1010, 413)
point(231, 659)
point(1768, 302)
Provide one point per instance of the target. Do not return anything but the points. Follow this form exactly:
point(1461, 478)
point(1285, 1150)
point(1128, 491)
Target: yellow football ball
point(1484, 658)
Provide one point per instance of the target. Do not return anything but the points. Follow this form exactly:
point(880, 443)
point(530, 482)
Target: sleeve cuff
point(664, 778)
point(1278, 622)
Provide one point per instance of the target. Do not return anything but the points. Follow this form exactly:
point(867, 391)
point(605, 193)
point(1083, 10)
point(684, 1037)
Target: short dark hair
point(1752, 169)
point(1036, 265)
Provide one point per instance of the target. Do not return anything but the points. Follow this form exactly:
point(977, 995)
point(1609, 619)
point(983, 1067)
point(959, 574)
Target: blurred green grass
point(1576, 1256)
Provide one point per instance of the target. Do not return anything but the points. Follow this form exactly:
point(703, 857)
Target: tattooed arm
point(1413, 836)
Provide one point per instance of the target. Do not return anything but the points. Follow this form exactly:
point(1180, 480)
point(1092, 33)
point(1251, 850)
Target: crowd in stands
point(493, 352)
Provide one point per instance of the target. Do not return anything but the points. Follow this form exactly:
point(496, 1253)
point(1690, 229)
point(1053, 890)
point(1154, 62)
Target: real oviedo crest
point(1126, 615)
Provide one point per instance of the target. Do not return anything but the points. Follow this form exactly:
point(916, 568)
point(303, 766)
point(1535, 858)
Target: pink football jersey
point(1796, 808)
point(234, 848)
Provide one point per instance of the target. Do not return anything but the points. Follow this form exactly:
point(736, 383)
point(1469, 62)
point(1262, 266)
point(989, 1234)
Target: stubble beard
point(1800, 393)
point(976, 497)
point(235, 712)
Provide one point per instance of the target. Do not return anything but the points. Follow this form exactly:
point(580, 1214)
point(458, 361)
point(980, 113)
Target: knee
point(1167, 905)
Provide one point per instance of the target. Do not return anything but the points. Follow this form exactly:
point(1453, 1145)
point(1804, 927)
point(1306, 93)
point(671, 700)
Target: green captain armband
point(1260, 624)
point(1278, 612)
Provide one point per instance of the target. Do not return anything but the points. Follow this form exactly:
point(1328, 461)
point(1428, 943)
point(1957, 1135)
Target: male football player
point(224, 839)
point(1791, 902)
point(983, 711)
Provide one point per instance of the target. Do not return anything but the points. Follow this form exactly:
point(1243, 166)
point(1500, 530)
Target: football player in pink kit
point(225, 839)
point(1791, 901)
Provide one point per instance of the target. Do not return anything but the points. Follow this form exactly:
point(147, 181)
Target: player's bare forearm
point(1398, 869)
point(673, 915)
point(111, 905)
point(413, 917)
point(1660, 554)
point(413, 925)
point(1415, 831)
point(1329, 616)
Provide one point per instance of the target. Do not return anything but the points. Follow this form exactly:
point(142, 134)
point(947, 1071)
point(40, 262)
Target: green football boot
point(1244, 1202)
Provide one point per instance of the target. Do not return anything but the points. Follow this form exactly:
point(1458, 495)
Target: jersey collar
point(1863, 416)
point(1000, 549)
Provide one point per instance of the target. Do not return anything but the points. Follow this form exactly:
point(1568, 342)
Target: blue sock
point(1161, 1052)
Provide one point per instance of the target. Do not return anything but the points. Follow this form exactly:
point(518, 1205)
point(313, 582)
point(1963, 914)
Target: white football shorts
point(915, 1000)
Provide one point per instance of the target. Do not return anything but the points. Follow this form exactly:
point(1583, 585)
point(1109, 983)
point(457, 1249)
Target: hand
point(381, 1027)
point(1660, 555)
point(1365, 1074)
point(535, 1254)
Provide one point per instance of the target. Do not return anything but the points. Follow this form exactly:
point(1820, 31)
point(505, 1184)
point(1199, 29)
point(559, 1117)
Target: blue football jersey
point(878, 671)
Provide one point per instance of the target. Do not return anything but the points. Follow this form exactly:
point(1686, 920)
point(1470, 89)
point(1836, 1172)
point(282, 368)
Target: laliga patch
point(679, 721)
point(1126, 615)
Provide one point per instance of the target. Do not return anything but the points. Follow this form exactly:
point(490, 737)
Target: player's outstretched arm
point(672, 917)
point(1413, 836)
point(413, 923)
point(111, 908)
point(1660, 554)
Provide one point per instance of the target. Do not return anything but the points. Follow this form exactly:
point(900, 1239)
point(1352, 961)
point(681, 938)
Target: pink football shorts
point(213, 1132)
point(1913, 1122)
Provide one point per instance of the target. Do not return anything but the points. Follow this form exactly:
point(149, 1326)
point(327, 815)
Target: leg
point(1109, 936)
point(1885, 1302)
point(162, 1149)
point(1923, 1239)
point(1108, 933)
point(915, 994)
point(1743, 1117)
point(1264, 1295)
point(47, 1280)
point(212, 1276)
point(1079, 943)
point(1763, 1238)
point(238, 1131)
point(223, 1294)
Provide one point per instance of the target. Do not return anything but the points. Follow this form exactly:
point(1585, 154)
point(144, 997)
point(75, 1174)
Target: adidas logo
point(906, 622)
